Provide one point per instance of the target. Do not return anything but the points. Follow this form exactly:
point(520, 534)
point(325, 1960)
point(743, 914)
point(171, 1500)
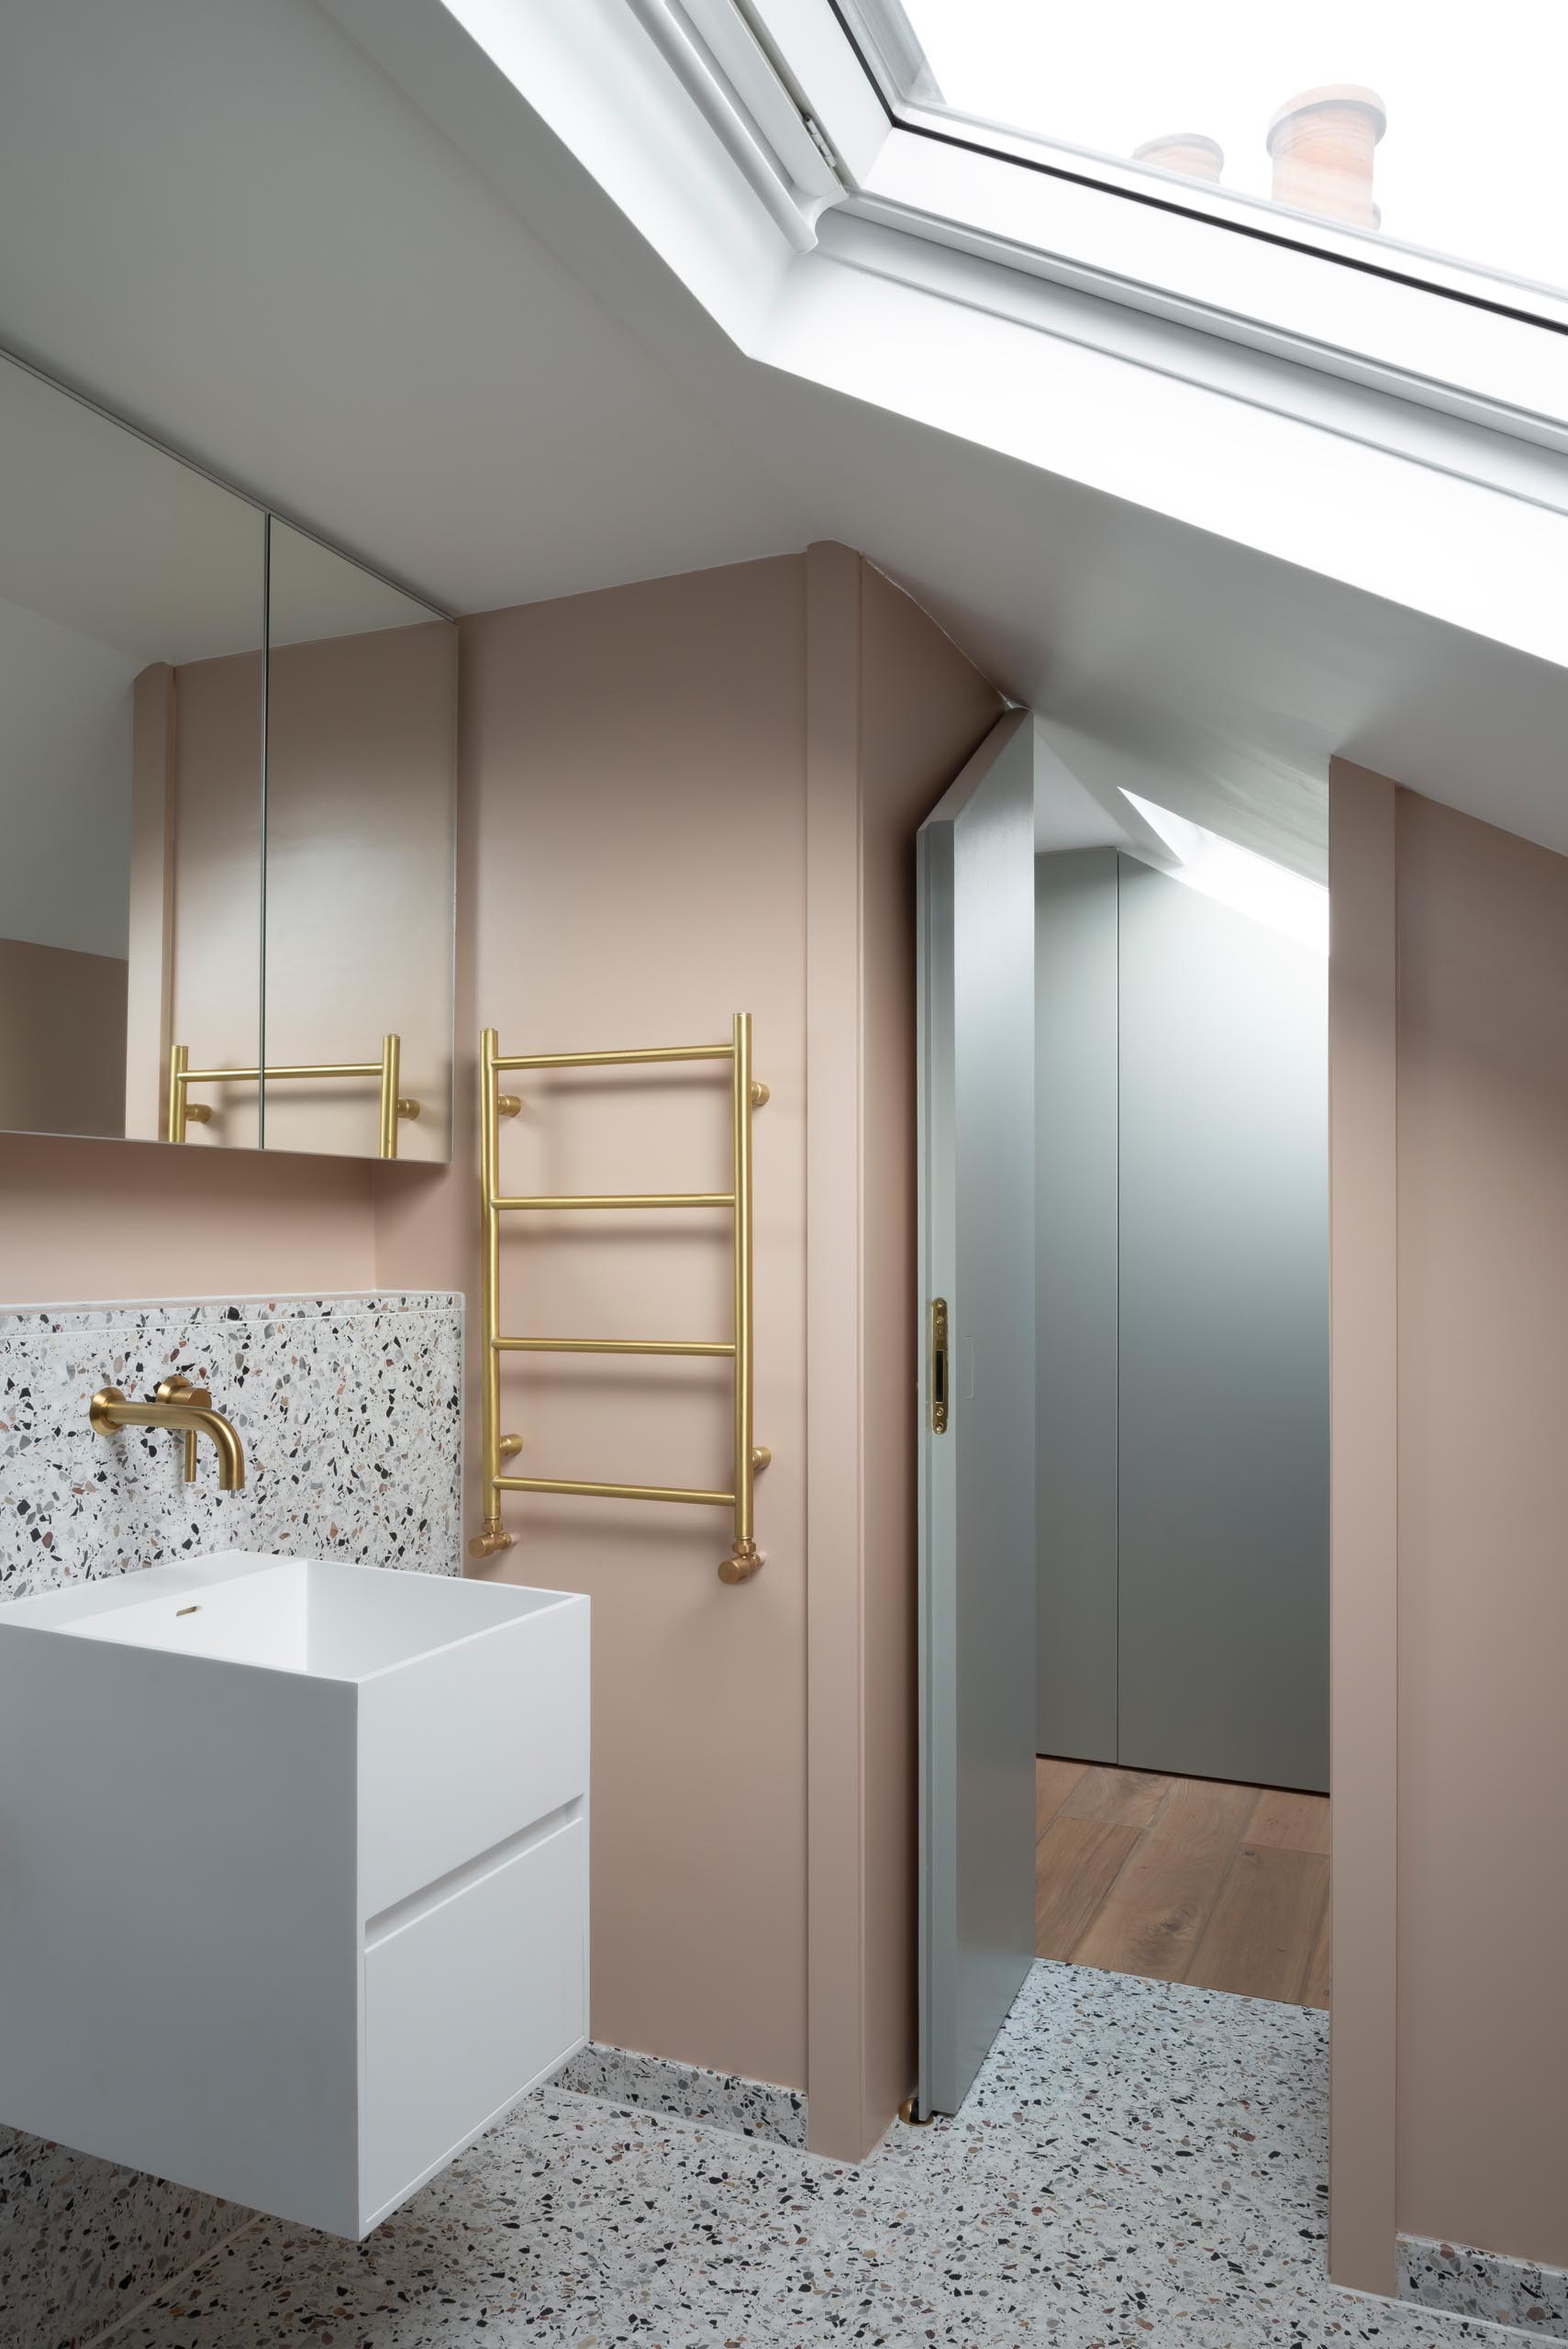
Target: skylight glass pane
point(1421, 124)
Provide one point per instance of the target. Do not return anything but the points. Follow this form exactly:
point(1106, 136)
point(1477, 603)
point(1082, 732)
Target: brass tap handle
point(180, 1390)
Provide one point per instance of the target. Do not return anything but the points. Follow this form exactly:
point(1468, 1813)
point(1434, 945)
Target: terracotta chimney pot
point(1187, 153)
point(1322, 145)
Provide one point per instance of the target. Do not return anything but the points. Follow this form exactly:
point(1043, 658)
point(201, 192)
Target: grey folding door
point(977, 1595)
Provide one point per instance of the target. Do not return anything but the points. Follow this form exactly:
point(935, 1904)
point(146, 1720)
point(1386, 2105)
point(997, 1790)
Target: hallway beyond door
point(1184, 1880)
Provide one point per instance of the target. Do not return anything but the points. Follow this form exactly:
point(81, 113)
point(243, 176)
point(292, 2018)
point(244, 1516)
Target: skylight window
point(1415, 126)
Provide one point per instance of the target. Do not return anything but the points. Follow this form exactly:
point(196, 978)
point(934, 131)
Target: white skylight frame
point(1453, 338)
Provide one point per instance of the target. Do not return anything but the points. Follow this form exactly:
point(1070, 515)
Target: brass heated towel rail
point(747, 1095)
point(393, 1104)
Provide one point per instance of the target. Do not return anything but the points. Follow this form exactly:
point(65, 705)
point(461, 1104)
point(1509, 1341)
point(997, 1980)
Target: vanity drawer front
point(467, 2004)
point(466, 1746)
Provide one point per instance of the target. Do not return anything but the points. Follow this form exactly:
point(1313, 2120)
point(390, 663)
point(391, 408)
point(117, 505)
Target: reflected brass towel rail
point(746, 1094)
point(393, 1104)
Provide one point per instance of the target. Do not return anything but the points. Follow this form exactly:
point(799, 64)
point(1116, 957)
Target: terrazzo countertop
point(1137, 2161)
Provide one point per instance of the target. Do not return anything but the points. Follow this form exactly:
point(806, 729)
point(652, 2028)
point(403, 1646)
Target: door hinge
point(822, 143)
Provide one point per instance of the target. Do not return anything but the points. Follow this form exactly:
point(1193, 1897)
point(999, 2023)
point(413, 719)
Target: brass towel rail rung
point(622, 1200)
point(614, 1345)
point(182, 1111)
point(747, 1095)
point(641, 1055)
point(614, 1492)
point(275, 1070)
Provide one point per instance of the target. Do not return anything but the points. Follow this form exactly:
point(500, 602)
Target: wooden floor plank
point(1183, 1879)
point(1077, 1861)
point(1124, 1798)
point(1290, 1822)
point(1053, 1782)
point(1151, 1920)
point(1315, 1989)
point(1153, 1915)
point(1207, 1815)
point(1260, 1939)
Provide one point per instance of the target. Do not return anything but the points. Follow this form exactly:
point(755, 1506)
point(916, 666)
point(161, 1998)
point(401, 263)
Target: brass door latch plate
point(938, 1376)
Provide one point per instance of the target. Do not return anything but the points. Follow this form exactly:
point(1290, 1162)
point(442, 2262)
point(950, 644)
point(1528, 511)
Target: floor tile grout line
point(168, 2284)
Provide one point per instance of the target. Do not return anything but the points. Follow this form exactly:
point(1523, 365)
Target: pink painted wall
point(62, 1040)
point(1363, 1544)
point(895, 711)
point(1483, 1135)
point(104, 1220)
point(682, 799)
point(1450, 1140)
point(635, 761)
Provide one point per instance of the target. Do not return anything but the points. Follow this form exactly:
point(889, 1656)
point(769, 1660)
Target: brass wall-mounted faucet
point(177, 1404)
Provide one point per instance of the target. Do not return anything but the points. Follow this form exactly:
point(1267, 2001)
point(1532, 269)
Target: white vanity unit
point(294, 1872)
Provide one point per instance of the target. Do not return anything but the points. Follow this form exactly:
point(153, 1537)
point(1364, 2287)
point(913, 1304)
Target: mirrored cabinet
point(227, 805)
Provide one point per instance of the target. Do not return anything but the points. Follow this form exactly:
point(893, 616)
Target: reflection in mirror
point(361, 715)
point(130, 737)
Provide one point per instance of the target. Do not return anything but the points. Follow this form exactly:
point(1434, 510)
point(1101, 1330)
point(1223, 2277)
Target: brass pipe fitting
point(492, 1537)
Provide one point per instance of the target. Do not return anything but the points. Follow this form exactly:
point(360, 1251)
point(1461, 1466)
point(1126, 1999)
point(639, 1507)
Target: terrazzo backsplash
point(350, 1410)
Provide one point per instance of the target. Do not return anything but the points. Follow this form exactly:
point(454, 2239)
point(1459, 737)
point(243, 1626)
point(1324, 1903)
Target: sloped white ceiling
point(231, 225)
point(225, 222)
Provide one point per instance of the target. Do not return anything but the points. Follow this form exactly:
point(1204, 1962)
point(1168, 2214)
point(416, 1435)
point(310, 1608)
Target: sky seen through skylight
point(1471, 166)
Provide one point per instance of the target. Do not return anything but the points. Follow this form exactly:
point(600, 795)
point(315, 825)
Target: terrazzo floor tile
point(687, 2091)
point(1139, 2162)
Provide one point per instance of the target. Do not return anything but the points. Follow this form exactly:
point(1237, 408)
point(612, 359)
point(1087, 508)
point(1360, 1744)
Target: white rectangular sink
point(320, 1617)
point(294, 1868)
